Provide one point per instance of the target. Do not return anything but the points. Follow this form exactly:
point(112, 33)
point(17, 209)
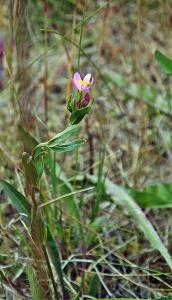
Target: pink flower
point(82, 84)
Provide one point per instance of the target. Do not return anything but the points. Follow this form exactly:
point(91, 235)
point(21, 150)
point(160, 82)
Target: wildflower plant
point(80, 102)
point(42, 244)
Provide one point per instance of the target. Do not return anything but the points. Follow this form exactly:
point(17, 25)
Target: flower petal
point(76, 80)
point(85, 88)
point(89, 78)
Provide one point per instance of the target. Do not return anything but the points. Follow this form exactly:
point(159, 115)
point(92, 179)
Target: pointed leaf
point(34, 287)
point(55, 257)
point(68, 147)
point(164, 62)
point(62, 136)
point(18, 200)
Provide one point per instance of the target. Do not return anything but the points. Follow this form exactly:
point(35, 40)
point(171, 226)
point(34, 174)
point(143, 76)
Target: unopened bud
point(84, 101)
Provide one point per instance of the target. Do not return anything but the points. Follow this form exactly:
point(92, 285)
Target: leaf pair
point(55, 144)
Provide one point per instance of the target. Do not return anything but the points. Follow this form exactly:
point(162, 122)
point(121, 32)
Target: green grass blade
point(99, 186)
point(80, 36)
point(35, 291)
point(73, 209)
point(55, 257)
point(51, 272)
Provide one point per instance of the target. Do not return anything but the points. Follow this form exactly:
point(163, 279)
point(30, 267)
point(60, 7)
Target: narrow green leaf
point(18, 200)
point(122, 198)
point(55, 257)
point(62, 136)
point(35, 291)
point(51, 274)
point(164, 61)
point(68, 147)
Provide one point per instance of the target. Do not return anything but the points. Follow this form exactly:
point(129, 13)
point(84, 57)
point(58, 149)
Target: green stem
point(79, 56)
point(80, 37)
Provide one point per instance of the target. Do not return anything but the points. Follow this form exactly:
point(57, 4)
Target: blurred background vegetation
point(114, 240)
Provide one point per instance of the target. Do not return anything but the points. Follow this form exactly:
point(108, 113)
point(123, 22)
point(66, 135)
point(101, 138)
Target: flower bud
point(84, 101)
